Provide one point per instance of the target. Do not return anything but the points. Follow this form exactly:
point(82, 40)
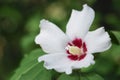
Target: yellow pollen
point(74, 50)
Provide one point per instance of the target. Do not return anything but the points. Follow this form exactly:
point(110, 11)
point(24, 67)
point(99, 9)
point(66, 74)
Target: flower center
point(76, 49)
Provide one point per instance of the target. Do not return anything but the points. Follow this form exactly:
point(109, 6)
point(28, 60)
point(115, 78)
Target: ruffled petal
point(87, 61)
point(51, 38)
point(97, 41)
point(59, 61)
point(79, 22)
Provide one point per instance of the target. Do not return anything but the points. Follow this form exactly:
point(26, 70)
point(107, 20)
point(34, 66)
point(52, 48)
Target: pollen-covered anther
point(74, 50)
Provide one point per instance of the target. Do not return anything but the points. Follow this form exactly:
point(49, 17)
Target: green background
point(19, 21)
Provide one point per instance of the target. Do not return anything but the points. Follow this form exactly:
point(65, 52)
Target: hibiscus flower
point(73, 49)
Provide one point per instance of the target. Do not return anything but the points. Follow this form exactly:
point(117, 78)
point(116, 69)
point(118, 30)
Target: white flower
point(74, 49)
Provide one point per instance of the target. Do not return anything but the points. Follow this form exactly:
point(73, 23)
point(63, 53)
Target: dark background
point(19, 21)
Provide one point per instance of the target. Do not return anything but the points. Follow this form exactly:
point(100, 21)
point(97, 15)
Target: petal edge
point(98, 40)
point(79, 22)
point(51, 36)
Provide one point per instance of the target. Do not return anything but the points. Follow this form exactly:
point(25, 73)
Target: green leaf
point(31, 69)
point(113, 54)
point(100, 65)
point(88, 69)
point(91, 76)
point(80, 76)
point(94, 77)
point(117, 35)
point(69, 77)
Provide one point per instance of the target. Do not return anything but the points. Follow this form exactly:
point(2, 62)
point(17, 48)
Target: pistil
point(74, 50)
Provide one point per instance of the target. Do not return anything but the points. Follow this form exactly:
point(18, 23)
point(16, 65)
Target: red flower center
point(76, 49)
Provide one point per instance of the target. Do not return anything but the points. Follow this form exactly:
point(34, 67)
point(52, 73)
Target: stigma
point(74, 50)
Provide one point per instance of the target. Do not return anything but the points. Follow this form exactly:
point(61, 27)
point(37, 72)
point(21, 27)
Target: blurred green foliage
point(19, 21)
point(31, 69)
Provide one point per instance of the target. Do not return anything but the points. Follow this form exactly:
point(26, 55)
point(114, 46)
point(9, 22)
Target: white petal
point(60, 62)
point(79, 22)
point(87, 61)
point(97, 41)
point(67, 69)
point(51, 38)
